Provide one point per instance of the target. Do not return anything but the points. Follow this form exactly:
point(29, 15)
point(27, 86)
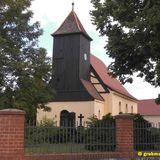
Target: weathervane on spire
point(73, 5)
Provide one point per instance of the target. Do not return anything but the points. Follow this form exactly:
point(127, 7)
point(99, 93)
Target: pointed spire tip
point(72, 6)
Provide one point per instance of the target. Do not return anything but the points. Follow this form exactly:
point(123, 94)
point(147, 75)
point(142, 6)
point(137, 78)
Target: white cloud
point(141, 89)
point(55, 11)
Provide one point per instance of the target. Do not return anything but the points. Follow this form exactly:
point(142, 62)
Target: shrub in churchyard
point(145, 135)
point(100, 134)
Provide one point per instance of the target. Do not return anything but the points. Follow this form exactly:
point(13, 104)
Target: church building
point(82, 83)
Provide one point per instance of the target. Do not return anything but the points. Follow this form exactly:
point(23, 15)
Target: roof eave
point(60, 34)
point(131, 97)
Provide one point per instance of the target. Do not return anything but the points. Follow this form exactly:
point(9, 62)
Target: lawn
point(55, 148)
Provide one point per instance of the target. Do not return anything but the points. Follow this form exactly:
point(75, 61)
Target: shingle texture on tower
point(71, 25)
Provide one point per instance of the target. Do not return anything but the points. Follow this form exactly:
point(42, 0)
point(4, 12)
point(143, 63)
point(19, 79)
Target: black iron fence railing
point(146, 136)
point(69, 139)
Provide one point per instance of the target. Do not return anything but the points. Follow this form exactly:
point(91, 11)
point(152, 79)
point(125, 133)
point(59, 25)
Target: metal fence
point(146, 136)
point(69, 139)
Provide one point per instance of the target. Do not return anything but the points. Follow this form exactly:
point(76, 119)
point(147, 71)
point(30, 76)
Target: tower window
point(85, 56)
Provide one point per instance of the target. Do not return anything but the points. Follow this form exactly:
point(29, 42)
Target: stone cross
point(80, 119)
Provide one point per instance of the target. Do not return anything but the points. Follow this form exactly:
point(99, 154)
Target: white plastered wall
point(99, 109)
point(86, 108)
point(153, 119)
point(125, 101)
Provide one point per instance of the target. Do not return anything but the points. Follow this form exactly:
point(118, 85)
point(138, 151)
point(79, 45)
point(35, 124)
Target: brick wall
point(12, 140)
point(72, 156)
point(124, 135)
point(83, 156)
point(11, 134)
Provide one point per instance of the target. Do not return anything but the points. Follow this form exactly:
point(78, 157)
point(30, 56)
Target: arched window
point(120, 109)
point(67, 118)
point(99, 114)
point(126, 108)
point(131, 109)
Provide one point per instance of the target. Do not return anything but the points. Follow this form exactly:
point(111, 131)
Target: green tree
point(25, 69)
point(132, 30)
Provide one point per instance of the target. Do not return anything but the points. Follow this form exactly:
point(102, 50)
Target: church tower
point(71, 60)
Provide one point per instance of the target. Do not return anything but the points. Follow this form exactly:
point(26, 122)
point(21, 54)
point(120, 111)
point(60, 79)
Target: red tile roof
point(148, 107)
point(91, 90)
point(102, 71)
point(70, 25)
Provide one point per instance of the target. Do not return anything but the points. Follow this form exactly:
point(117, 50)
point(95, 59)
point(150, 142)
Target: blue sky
point(51, 13)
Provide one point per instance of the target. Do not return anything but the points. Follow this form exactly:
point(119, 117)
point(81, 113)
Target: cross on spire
point(73, 5)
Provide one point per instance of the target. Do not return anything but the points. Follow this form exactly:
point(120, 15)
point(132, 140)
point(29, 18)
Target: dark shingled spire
point(71, 25)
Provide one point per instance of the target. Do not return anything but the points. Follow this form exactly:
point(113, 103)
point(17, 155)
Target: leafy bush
point(100, 135)
point(47, 122)
point(42, 133)
point(145, 136)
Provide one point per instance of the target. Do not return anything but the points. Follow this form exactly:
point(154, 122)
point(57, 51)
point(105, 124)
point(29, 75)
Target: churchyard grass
point(55, 148)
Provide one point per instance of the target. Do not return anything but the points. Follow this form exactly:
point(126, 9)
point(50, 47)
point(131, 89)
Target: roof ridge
point(76, 18)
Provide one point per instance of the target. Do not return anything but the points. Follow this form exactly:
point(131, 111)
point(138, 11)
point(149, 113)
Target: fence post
point(12, 134)
point(125, 135)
